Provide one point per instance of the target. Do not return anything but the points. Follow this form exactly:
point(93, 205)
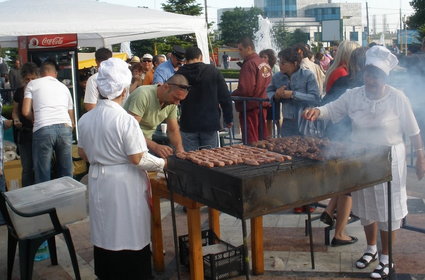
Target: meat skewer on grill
point(237, 154)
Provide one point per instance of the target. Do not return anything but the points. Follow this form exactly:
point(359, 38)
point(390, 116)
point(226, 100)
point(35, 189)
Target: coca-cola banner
point(52, 41)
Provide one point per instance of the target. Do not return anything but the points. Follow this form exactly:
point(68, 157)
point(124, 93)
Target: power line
point(389, 9)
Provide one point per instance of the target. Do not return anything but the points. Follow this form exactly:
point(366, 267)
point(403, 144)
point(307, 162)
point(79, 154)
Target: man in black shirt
point(201, 110)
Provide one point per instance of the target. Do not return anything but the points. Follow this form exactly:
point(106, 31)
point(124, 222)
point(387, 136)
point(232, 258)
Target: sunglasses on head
point(185, 87)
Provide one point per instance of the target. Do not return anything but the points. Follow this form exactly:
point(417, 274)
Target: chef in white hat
point(119, 195)
point(382, 115)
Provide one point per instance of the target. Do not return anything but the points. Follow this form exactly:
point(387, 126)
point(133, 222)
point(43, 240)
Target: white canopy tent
point(97, 24)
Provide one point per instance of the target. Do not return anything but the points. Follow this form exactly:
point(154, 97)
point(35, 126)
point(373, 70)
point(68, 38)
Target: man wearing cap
point(151, 105)
point(167, 69)
point(119, 195)
point(380, 115)
point(142, 72)
point(48, 103)
point(91, 94)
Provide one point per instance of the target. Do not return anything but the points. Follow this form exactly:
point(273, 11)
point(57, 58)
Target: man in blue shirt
point(167, 69)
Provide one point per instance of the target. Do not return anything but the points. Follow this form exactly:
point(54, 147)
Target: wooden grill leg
point(257, 248)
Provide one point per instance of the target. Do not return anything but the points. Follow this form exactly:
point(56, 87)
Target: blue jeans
point(289, 127)
point(57, 138)
point(192, 141)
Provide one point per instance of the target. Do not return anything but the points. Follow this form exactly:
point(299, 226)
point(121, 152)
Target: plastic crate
point(222, 265)
point(65, 194)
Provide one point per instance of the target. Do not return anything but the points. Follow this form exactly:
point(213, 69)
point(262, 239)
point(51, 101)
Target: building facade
point(310, 16)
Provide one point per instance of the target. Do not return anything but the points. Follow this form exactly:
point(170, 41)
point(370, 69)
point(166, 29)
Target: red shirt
point(254, 77)
point(339, 72)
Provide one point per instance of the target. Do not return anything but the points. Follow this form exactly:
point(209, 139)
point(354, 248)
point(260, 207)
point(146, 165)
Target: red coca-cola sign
point(52, 41)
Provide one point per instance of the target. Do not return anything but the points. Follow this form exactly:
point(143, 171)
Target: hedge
point(230, 73)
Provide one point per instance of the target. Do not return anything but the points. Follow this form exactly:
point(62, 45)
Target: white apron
point(119, 211)
point(372, 203)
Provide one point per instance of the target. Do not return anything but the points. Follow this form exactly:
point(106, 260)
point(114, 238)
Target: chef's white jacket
point(120, 217)
point(379, 122)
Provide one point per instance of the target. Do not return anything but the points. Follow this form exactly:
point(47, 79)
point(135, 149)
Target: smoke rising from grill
point(410, 78)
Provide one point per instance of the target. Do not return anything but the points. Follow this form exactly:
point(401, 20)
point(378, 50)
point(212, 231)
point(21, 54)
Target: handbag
point(310, 128)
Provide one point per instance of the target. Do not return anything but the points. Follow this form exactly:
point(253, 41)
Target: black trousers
point(123, 265)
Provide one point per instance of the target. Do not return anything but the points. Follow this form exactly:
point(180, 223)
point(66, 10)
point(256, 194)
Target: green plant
point(230, 73)
point(7, 111)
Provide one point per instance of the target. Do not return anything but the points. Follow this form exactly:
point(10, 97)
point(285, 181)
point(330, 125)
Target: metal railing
point(244, 126)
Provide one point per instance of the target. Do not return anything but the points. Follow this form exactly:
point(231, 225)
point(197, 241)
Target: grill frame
point(250, 191)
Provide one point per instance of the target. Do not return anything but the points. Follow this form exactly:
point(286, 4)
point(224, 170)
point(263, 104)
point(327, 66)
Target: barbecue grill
point(245, 191)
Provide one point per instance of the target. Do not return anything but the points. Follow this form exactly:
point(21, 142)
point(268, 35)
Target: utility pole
point(405, 32)
point(206, 12)
point(210, 49)
point(367, 23)
point(400, 35)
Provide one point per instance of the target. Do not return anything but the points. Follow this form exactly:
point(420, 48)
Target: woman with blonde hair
point(339, 67)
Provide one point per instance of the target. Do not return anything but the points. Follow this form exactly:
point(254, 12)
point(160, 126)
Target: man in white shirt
point(48, 103)
point(91, 94)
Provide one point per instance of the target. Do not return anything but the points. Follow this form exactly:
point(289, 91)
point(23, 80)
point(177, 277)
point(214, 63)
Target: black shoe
point(338, 242)
point(327, 219)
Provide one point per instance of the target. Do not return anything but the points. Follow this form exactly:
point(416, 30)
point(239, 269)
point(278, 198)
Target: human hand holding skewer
point(311, 114)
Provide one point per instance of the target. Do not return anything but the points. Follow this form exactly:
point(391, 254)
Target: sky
point(376, 7)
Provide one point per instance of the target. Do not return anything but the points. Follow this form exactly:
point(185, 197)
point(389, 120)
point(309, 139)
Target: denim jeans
point(192, 141)
point(289, 127)
point(46, 140)
point(25, 151)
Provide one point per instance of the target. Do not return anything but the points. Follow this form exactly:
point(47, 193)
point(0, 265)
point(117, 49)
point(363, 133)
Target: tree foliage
point(282, 37)
point(418, 18)
point(285, 39)
point(184, 7)
point(421, 30)
point(11, 53)
point(239, 23)
point(165, 44)
point(298, 36)
point(158, 45)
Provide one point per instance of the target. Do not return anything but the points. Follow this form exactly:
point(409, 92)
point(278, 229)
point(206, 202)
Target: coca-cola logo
point(52, 41)
point(33, 42)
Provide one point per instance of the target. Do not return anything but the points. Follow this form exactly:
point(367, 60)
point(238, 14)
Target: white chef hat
point(382, 58)
point(114, 76)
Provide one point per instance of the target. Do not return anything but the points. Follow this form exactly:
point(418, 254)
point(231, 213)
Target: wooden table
point(160, 190)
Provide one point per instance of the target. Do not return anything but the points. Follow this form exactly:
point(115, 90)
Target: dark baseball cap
point(179, 52)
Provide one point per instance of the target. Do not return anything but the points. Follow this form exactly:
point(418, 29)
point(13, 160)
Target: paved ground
point(286, 248)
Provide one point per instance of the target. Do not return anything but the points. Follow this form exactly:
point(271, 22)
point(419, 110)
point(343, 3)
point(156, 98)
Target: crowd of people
point(124, 104)
point(344, 93)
